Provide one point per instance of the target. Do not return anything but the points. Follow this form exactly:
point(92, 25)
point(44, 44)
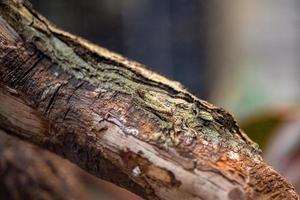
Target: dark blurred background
point(241, 55)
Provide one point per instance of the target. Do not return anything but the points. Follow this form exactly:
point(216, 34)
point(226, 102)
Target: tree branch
point(120, 121)
point(28, 172)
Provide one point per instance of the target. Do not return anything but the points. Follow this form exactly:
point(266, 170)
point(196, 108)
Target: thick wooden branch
point(28, 172)
point(120, 121)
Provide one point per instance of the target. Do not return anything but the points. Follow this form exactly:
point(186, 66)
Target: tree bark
point(28, 172)
point(120, 121)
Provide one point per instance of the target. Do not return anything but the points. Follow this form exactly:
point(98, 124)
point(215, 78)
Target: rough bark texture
point(120, 121)
point(28, 172)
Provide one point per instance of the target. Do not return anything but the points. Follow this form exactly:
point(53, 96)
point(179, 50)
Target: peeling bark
point(120, 121)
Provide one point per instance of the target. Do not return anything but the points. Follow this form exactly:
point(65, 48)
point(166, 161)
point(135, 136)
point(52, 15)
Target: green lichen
point(205, 115)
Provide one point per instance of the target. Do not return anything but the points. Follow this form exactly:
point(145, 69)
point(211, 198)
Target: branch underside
point(28, 172)
point(120, 121)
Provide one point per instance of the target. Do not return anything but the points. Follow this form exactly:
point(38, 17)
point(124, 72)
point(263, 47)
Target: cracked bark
point(121, 122)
